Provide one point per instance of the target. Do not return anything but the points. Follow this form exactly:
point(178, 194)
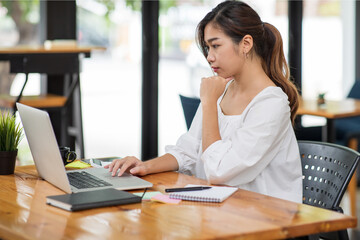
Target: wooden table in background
point(332, 110)
point(246, 215)
point(63, 65)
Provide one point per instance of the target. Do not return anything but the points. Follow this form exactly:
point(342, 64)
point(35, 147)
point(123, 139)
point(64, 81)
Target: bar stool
point(64, 106)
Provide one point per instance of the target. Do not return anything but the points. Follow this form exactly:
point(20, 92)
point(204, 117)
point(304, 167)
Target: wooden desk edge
point(284, 231)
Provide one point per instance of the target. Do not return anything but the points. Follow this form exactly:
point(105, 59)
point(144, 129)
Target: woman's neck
point(252, 77)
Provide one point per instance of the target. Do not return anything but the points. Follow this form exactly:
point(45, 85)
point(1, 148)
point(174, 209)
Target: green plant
point(321, 95)
point(10, 132)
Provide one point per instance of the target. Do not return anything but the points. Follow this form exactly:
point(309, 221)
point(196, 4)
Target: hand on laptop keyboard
point(128, 164)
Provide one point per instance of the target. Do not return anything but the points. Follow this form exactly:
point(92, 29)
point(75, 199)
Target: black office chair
point(327, 171)
point(190, 106)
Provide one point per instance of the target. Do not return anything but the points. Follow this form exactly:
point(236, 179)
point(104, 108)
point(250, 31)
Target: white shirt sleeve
point(186, 150)
point(241, 157)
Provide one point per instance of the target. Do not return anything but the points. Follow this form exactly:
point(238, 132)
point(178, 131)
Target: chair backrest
point(190, 106)
point(355, 90)
point(327, 170)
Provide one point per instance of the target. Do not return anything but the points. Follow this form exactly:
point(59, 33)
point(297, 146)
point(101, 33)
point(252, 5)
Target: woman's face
point(225, 58)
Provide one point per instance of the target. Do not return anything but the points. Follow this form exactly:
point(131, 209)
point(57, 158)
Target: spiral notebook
point(214, 194)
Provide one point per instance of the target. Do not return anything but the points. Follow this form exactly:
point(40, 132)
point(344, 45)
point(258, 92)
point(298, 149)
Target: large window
point(111, 79)
point(328, 49)
point(19, 25)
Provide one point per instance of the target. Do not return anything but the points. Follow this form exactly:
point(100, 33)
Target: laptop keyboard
point(84, 179)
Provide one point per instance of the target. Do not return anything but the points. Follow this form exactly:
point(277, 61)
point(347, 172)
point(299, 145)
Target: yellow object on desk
point(78, 164)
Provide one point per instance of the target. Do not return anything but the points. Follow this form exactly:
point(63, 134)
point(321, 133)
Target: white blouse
point(258, 150)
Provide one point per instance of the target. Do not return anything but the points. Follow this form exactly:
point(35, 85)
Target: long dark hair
point(237, 19)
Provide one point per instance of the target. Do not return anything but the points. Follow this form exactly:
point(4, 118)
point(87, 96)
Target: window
point(111, 79)
point(328, 60)
point(19, 23)
point(328, 48)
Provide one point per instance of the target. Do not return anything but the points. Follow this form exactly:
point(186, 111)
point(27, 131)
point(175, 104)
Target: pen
point(186, 189)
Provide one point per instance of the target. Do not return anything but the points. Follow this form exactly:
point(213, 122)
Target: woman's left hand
point(211, 88)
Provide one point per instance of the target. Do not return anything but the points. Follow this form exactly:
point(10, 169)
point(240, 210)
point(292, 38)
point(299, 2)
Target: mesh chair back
point(190, 106)
point(327, 170)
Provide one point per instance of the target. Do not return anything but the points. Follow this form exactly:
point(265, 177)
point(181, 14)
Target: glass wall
point(328, 60)
point(328, 48)
point(111, 79)
point(19, 25)
point(19, 22)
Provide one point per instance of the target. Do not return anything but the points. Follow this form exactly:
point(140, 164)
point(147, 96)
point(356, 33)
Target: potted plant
point(10, 137)
point(321, 99)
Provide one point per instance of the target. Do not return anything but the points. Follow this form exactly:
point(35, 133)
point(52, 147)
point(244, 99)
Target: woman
point(242, 133)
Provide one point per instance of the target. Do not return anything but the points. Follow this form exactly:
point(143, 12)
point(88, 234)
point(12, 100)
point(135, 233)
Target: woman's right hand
point(131, 165)
point(212, 87)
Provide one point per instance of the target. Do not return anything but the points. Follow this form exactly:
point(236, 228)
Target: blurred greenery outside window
point(19, 21)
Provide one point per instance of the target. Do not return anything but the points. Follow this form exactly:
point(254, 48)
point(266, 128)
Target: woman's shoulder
point(270, 94)
point(273, 90)
point(271, 100)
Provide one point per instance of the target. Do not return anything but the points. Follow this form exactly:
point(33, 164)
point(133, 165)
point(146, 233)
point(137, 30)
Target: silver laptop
point(45, 151)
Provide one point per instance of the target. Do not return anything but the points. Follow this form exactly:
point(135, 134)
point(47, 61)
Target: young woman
point(242, 134)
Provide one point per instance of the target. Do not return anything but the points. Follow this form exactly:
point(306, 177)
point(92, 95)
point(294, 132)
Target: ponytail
point(275, 66)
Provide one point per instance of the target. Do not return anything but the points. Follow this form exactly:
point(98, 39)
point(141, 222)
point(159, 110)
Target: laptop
point(49, 164)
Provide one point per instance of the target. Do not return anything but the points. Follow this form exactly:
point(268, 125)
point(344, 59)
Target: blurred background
point(111, 79)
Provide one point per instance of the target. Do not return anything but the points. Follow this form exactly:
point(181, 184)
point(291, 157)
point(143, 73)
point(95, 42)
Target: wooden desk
point(63, 65)
point(37, 59)
point(245, 215)
point(331, 111)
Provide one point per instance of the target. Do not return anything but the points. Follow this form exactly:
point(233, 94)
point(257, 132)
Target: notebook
point(214, 194)
point(48, 162)
point(92, 199)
